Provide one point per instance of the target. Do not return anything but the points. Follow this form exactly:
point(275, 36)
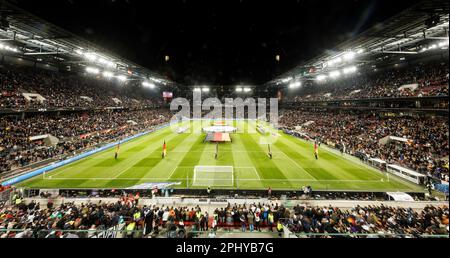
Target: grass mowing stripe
point(187, 163)
point(267, 169)
point(357, 170)
point(242, 158)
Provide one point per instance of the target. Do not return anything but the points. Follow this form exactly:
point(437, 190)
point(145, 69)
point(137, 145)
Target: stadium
point(150, 129)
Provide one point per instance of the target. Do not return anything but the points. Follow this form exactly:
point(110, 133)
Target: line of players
point(216, 154)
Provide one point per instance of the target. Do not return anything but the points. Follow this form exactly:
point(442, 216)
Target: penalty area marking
point(304, 170)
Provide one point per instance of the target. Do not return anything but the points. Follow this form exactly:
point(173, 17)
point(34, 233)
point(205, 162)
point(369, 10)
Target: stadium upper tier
point(24, 87)
point(19, 86)
point(415, 80)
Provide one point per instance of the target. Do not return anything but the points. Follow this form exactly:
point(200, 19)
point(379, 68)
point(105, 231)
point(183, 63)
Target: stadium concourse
point(88, 146)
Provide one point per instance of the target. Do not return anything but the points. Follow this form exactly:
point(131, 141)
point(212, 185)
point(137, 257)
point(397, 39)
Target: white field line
point(251, 179)
point(293, 161)
point(355, 161)
point(223, 151)
point(128, 145)
point(173, 171)
point(257, 173)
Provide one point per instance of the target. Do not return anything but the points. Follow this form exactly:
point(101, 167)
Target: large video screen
point(167, 95)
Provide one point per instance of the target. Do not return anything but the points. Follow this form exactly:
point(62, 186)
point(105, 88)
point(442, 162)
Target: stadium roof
point(24, 34)
point(415, 30)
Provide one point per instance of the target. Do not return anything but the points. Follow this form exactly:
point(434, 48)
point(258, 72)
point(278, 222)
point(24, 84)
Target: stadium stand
point(65, 90)
point(76, 131)
point(52, 115)
point(126, 218)
point(360, 133)
point(431, 79)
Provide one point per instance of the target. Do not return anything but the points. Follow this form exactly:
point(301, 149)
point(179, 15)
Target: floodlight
point(121, 77)
point(197, 89)
point(90, 56)
point(295, 85)
point(247, 89)
point(443, 43)
point(239, 89)
point(321, 77)
point(107, 74)
point(92, 70)
point(349, 56)
point(205, 89)
point(348, 70)
point(335, 74)
point(286, 80)
point(155, 80)
point(360, 51)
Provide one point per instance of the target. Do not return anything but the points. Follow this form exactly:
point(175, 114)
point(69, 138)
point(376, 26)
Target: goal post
point(214, 176)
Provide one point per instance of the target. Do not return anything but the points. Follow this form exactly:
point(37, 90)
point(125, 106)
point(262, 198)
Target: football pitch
point(293, 165)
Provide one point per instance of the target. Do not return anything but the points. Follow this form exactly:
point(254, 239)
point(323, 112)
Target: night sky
point(216, 42)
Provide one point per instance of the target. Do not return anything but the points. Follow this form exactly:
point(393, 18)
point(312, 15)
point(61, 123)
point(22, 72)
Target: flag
point(316, 150)
point(118, 148)
point(164, 149)
point(117, 151)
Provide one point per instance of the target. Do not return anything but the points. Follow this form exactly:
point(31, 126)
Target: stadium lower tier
point(127, 217)
point(287, 163)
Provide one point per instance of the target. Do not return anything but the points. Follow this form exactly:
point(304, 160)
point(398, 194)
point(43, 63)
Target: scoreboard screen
point(167, 95)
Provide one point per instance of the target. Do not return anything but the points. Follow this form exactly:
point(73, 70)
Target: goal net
point(213, 176)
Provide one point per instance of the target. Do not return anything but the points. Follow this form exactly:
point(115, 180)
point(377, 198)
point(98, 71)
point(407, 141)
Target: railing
point(5, 195)
point(119, 231)
point(364, 235)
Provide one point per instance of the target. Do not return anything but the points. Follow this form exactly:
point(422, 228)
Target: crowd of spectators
point(63, 90)
point(75, 131)
point(431, 79)
point(425, 150)
point(129, 219)
point(372, 221)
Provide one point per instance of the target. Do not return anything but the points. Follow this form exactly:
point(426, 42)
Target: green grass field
point(293, 165)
